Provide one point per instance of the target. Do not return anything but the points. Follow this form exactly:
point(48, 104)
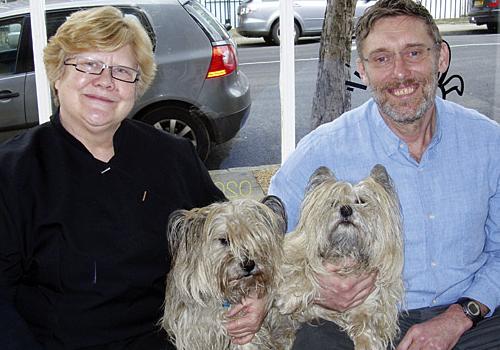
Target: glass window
point(210, 23)
point(10, 33)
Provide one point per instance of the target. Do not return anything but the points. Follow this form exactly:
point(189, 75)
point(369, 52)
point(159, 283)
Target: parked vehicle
point(199, 92)
point(485, 12)
point(260, 18)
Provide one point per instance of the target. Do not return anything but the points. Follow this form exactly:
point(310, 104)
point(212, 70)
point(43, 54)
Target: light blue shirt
point(450, 200)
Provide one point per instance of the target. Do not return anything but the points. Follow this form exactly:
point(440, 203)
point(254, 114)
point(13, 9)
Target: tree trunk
point(331, 98)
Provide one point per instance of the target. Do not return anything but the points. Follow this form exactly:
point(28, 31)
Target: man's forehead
point(397, 31)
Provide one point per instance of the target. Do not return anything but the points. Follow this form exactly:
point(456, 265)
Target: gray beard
point(409, 117)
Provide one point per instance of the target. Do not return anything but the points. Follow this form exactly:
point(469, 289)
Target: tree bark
point(331, 98)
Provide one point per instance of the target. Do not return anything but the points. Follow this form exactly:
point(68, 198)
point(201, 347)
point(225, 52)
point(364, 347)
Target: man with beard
point(444, 160)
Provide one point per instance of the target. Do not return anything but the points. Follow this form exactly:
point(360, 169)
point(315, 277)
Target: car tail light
point(223, 62)
point(493, 3)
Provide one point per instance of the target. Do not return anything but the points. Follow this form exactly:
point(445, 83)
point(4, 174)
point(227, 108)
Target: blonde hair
point(103, 29)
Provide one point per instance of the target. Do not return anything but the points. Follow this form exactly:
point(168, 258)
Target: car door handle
point(7, 95)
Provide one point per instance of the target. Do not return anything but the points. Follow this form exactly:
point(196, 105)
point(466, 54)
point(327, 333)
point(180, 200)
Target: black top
point(83, 251)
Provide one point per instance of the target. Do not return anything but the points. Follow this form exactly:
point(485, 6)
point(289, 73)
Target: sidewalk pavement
point(461, 26)
point(253, 182)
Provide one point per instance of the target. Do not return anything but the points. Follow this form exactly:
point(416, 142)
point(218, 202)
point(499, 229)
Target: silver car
point(260, 18)
point(198, 93)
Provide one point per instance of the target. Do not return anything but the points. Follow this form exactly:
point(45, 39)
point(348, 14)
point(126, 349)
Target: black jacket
point(83, 251)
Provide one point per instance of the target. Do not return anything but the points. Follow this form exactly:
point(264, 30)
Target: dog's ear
point(380, 175)
point(176, 221)
point(319, 176)
point(278, 208)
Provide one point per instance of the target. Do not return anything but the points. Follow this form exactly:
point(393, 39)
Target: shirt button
point(431, 216)
point(433, 264)
point(434, 301)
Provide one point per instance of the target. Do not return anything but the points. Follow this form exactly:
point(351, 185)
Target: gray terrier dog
point(221, 254)
point(341, 223)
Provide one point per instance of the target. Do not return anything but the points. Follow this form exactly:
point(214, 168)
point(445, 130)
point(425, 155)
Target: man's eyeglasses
point(411, 55)
point(95, 67)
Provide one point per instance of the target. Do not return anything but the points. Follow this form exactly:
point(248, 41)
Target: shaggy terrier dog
point(221, 254)
point(356, 226)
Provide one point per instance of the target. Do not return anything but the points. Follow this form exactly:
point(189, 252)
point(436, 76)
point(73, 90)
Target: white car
point(260, 18)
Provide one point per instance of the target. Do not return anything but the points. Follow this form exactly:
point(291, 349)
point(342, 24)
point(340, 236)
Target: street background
point(243, 165)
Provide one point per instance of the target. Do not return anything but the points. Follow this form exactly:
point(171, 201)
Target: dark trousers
point(325, 335)
point(150, 341)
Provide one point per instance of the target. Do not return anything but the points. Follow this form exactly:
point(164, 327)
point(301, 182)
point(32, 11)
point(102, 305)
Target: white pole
point(39, 38)
point(287, 79)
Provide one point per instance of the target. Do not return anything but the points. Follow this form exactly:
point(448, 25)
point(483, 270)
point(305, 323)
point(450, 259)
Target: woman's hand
point(341, 293)
point(245, 319)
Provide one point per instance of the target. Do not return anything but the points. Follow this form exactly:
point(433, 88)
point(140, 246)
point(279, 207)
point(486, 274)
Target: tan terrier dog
point(357, 226)
point(221, 254)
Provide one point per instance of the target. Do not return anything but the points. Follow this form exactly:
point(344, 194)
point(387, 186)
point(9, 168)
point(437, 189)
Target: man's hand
point(342, 293)
point(439, 333)
point(245, 319)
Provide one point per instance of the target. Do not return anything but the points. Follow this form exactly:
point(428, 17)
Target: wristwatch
point(472, 309)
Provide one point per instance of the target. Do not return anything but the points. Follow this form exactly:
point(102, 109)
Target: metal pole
point(39, 38)
point(287, 79)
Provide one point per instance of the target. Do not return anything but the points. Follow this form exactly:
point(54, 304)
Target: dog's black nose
point(248, 266)
point(345, 211)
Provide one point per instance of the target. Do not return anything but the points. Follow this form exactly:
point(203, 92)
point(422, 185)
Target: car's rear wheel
point(182, 122)
point(275, 33)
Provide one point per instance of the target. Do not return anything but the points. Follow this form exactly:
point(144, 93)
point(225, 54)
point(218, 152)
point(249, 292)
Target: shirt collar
point(55, 120)
point(389, 140)
point(118, 138)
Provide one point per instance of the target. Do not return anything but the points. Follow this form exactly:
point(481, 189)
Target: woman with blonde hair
point(84, 199)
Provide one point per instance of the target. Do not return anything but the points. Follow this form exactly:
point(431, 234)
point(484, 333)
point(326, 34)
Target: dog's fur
point(341, 223)
point(221, 254)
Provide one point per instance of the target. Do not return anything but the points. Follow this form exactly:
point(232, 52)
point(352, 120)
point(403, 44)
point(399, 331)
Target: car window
point(52, 21)
point(10, 33)
point(208, 22)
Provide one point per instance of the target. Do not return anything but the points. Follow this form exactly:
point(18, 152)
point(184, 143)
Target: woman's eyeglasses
point(95, 67)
